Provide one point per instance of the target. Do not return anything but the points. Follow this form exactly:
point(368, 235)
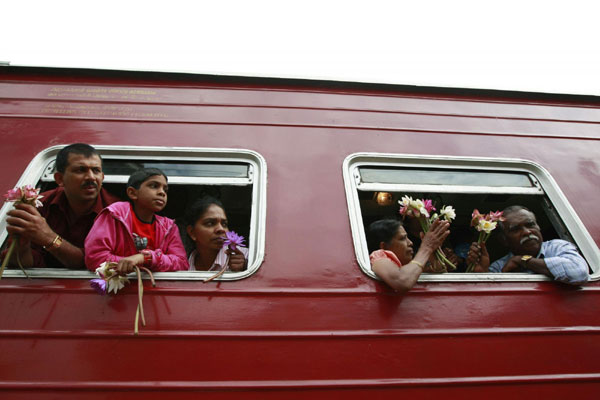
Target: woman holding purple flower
point(215, 248)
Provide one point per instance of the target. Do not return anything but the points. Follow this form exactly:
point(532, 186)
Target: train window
point(236, 177)
point(375, 182)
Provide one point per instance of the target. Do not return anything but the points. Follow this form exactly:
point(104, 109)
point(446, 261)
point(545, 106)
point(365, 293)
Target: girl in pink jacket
point(131, 233)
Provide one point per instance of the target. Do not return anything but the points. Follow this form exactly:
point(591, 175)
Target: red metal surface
point(309, 322)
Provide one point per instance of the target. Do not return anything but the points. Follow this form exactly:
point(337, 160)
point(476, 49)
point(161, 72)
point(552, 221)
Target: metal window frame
point(543, 182)
point(43, 162)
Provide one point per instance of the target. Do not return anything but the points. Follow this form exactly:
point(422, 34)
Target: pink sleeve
point(100, 243)
point(171, 256)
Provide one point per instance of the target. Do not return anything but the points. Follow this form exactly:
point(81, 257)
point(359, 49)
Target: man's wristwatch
point(526, 258)
point(55, 244)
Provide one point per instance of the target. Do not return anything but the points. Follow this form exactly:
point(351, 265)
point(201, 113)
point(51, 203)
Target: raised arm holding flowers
point(392, 251)
point(422, 210)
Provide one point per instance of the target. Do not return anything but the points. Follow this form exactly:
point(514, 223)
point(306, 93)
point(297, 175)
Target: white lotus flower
point(448, 213)
point(486, 226)
point(116, 283)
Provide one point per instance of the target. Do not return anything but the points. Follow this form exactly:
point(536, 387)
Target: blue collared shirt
point(562, 259)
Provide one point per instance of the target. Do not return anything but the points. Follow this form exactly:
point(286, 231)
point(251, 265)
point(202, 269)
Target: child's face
point(152, 194)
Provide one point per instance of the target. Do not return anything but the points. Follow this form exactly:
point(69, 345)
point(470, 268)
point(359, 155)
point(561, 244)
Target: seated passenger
point(392, 252)
point(520, 232)
point(132, 234)
point(206, 226)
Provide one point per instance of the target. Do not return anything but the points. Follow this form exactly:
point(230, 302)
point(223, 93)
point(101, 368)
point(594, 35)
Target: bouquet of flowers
point(25, 194)
point(484, 224)
point(111, 281)
point(422, 210)
point(232, 240)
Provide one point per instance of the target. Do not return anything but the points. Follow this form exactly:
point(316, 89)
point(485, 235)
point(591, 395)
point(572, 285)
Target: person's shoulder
point(119, 208)
point(557, 242)
point(108, 198)
point(557, 245)
point(52, 195)
point(380, 254)
point(166, 222)
point(377, 254)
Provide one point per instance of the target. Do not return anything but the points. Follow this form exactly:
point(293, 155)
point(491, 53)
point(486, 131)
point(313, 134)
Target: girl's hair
point(199, 207)
point(141, 175)
point(381, 231)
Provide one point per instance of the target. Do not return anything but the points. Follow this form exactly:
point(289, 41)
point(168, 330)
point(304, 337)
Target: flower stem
point(218, 274)
point(483, 237)
point(151, 276)
point(140, 294)
point(442, 258)
point(11, 248)
point(19, 259)
point(137, 319)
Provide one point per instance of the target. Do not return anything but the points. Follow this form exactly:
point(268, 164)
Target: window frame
point(542, 180)
point(41, 166)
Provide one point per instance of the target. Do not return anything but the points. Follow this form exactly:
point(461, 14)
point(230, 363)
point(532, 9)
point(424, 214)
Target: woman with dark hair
point(206, 226)
point(392, 252)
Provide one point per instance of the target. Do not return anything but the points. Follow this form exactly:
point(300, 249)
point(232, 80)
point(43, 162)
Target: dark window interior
point(461, 231)
point(237, 201)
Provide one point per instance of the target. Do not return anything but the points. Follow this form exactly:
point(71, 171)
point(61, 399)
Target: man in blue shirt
point(556, 258)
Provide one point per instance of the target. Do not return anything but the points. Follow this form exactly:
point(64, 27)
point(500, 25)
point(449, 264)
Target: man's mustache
point(529, 237)
point(89, 184)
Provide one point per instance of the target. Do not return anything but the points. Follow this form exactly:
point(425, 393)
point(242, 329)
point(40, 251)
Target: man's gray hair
point(511, 210)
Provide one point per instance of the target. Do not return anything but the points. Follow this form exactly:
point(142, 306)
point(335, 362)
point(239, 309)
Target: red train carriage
point(299, 166)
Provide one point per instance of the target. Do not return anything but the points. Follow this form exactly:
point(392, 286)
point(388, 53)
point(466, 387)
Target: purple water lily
point(99, 285)
point(233, 240)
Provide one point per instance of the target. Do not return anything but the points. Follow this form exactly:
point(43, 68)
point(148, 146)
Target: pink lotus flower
point(475, 217)
point(30, 193)
point(428, 204)
point(14, 194)
point(26, 194)
point(495, 216)
point(233, 240)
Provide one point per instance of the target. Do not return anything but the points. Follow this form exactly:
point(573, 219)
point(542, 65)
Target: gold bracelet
point(418, 264)
point(55, 244)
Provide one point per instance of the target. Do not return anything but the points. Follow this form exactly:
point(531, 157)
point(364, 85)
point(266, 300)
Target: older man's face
point(522, 233)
